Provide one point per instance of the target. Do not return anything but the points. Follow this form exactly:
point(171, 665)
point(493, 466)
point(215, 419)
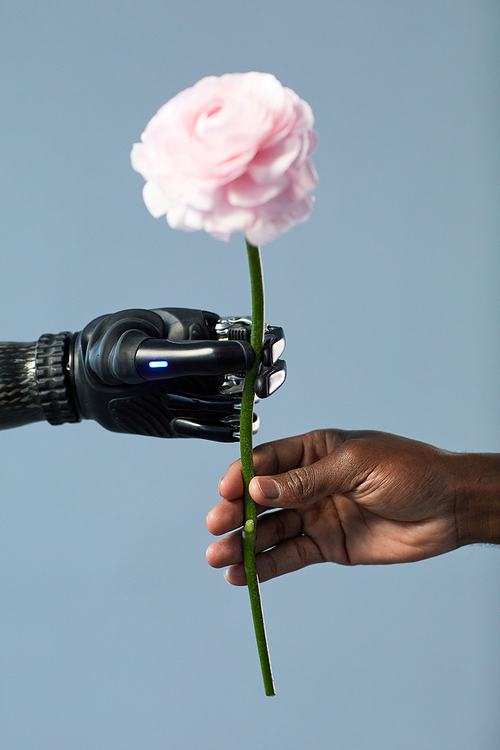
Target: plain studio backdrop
point(114, 632)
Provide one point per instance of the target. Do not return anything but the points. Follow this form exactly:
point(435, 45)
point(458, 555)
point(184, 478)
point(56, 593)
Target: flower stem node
point(249, 526)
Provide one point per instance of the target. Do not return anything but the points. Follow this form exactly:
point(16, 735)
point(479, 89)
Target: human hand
point(346, 497)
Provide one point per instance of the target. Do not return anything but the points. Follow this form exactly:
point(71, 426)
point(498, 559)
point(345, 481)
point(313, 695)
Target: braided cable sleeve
point(34, 383)
point(19, 397)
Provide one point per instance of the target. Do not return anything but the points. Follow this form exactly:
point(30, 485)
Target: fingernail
point(269, 488)
point(225, 574)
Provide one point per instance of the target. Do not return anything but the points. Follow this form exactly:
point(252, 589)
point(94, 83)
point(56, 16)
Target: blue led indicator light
point(159, 363)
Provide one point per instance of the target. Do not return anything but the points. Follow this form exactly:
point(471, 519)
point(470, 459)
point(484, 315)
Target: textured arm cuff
point(52, 378)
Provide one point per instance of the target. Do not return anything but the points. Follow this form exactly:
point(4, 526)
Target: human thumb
point(301, 486)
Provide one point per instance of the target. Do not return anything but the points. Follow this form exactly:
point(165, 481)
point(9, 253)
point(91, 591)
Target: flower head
point(231, 153)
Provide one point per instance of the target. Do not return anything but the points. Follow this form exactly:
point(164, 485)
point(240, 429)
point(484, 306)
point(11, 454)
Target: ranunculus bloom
point(230, 154)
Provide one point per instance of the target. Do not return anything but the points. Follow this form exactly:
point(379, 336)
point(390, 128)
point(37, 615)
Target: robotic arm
point(169, 372)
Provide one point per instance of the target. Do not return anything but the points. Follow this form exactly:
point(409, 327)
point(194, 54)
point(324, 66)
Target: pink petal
point(273, 162)
point(246, 193)
point(155, 199)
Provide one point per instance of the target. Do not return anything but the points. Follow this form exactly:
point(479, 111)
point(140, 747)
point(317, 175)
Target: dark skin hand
point(355, 498)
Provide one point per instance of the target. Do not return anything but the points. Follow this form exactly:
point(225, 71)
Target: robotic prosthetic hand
point(170, 372)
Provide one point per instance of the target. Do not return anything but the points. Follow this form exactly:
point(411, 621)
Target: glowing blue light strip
point(159, 363)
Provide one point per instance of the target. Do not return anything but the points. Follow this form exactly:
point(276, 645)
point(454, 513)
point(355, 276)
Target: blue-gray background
point(114, 633)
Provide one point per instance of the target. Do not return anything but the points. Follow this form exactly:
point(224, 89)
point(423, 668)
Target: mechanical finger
point(273, 345)
point(223, 431)
point(137, 358)
point(223, 405)
point(270, 379)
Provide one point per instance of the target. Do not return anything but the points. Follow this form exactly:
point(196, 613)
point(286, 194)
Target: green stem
point(250, 525)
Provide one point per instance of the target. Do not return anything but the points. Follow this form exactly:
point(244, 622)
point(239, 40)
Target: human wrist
point(477, 498)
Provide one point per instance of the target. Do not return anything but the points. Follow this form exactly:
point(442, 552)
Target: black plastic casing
point(122, 407)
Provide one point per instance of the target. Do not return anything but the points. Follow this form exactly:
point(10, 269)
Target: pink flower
point(230, 154)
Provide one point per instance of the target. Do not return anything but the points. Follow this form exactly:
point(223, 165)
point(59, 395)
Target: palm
point(348, 533)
